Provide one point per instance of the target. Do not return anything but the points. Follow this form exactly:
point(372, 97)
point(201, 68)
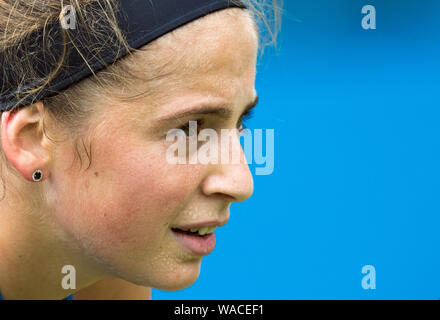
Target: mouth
point(198, 241)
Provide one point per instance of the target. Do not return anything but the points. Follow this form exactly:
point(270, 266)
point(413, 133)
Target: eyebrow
point(221, 111)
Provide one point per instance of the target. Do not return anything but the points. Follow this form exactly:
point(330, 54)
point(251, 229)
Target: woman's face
point(123, 209)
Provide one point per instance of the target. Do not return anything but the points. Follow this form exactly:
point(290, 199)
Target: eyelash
point(185, 127)
point(244, 119)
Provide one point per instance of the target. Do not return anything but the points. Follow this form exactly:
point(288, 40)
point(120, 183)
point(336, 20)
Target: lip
point(197, 245)
point(213, 223)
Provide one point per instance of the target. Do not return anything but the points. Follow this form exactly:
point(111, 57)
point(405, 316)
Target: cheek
point(124, 203)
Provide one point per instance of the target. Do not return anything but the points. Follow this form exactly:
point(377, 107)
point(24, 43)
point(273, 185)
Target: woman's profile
point(89, 91)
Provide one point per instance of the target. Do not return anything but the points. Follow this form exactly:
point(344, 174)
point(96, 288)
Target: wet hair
point(71, 109)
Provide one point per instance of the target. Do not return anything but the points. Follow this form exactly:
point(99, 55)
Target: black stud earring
point(37, 175)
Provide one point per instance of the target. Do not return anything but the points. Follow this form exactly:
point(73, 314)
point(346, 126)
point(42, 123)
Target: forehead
point(224, 39)
point(210, 58)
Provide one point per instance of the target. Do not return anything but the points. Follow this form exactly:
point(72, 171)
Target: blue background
point(356, 180)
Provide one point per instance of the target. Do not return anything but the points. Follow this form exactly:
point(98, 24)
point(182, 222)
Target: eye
point(244, 119)
point(186, 127)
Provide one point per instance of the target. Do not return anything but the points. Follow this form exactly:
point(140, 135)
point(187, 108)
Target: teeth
point(211, 229)
point(202, 231)
point(206, 230)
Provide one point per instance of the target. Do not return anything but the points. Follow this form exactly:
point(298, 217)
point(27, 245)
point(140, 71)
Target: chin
point(173, 279)
point(175, 286)
point(181, 279)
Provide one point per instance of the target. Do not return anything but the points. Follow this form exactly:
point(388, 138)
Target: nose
point(231, 179)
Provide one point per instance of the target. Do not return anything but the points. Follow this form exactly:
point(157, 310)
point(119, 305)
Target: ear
point(23, 141)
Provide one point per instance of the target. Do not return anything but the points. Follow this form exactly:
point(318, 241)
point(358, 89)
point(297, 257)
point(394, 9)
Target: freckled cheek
point(137, 207)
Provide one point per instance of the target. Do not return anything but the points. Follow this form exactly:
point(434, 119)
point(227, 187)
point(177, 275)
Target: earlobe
point(22, 141)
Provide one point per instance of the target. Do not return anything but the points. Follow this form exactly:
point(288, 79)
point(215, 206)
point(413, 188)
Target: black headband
point(141, 21)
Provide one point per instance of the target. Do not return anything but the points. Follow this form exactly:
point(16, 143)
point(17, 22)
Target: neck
point(33, 256)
